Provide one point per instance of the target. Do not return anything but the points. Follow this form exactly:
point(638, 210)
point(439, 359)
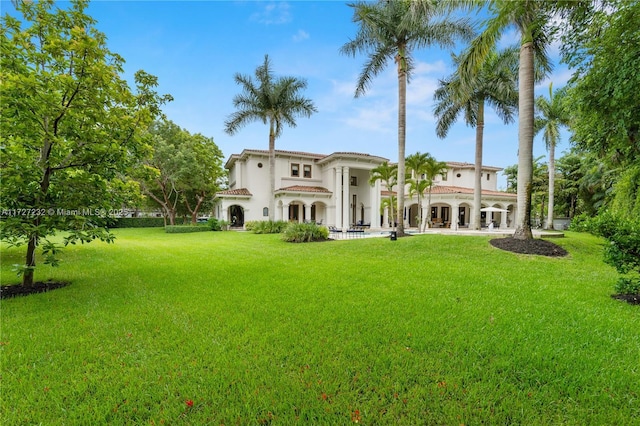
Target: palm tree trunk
point(272, 169)
point(525, 142)
point(477, 187)
point(402, 121)
point(552, 183)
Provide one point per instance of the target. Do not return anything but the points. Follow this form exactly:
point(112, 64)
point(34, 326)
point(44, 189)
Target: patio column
point(285, 212)
point(471, 218)
point(374, 218)
point(337, 195)
point(385, 217)
point(455, 216)
point(307, 212)
point(503, 219)
point(346, 181)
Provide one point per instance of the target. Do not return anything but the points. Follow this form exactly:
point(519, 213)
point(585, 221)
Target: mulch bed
point(531, 246)
point(633, 299)
point(7, 291)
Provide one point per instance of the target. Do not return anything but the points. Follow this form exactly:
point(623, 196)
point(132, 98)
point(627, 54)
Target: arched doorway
point(236, 216)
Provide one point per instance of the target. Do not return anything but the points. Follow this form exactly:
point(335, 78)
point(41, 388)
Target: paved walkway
point(537, 233)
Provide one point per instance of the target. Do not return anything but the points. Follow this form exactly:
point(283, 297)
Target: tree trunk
point(272, 169)
point(552, 184)
point(402, 121)
point(477, 187)
point(525, 142)
point(30, 261)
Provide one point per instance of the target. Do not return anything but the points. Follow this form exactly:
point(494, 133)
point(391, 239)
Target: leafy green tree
point(182, 172)
point(494, 84)
point(603, 45)
point(70, 128)
point(273, 101)
point(205, 175)
point(569, 174)
point(387, 174)
point(391, 31)
point(160, 170)
point(551, 114)
point(532, 19)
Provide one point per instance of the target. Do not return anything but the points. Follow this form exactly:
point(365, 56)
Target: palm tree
point(493, 84)
point(274, 101)
point(391, 30)
point(551, 115)
point(388, 175)
point(416, 163)
point(531, 18)
point(432, 169)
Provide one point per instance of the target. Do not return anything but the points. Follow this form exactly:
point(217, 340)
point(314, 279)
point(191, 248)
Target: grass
point(236, 328)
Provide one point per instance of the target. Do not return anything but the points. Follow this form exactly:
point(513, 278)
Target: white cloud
point(300, 36)
point(378, 118)
point(273, 13)
point(427, 68)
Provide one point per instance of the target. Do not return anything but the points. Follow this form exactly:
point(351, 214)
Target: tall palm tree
point(416, 163)
point(551, 114)
point(494, 84)
point(432, 169)
point(391, 30)
point(388, 175)
point(531, 18)
point(274, 101)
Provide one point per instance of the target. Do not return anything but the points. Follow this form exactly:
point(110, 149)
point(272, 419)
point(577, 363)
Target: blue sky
point(196, 47)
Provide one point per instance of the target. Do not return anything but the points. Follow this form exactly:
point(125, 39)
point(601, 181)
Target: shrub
point(623, 250)
point(183, 229)
point(305, 232)
point(137, 222)
point(217, 224)
point(268, 227)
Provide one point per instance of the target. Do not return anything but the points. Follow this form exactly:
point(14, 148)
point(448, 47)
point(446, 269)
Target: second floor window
point(306, 171)
point(444, 176)
point(295, 170)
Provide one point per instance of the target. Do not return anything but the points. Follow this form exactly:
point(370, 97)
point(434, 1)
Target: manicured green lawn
point(429, 329)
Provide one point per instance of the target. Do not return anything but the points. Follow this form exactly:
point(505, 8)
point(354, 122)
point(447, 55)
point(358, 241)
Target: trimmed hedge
point(184, 229)
point(137, 222)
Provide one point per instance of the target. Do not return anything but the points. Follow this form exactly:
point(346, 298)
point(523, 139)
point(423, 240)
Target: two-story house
point(334, 190)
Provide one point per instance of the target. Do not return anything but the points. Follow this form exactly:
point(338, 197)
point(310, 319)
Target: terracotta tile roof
point(388, 193)
point(241, 191)
point(302, 188)
point(440, 189)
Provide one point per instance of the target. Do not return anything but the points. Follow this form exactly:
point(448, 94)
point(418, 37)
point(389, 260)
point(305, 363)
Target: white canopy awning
point(493, 209)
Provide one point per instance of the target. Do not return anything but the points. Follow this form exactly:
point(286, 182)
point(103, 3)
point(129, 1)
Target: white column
point(503, 219)
point(346, 182)
point(285, 212)
point(471, 218)
point(455, 218)
point(374, 196)
point(307, 212)
point(337, 196)
point(385, 217)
